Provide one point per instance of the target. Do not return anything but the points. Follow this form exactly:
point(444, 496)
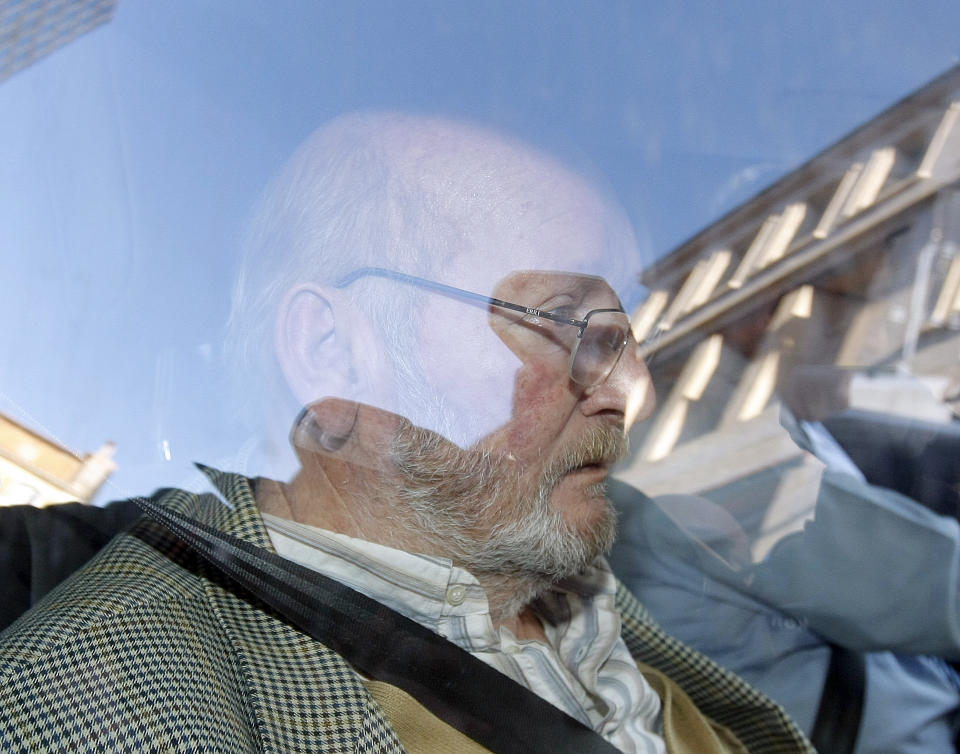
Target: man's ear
point(312, 343)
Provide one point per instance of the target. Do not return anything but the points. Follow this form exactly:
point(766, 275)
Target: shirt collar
point(585, 669)
point(425, 588)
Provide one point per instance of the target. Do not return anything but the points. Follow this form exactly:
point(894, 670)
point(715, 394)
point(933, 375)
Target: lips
point(594, 454)
point(599, 469)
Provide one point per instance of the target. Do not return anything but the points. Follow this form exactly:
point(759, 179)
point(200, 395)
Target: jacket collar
point(758, 721)
point(303, 695)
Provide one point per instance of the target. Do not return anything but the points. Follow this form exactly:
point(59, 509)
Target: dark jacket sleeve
point(40, 547)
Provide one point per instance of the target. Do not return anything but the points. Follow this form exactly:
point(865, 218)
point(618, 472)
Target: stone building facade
point(836, 291)
point(35, 470)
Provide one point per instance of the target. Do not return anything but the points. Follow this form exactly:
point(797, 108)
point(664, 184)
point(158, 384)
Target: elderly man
point(431, 576)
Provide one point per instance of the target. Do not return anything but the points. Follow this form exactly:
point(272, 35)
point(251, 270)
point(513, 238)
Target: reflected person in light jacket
point(874, 571)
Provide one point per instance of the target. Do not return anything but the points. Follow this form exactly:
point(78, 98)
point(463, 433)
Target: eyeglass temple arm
point(450, 290)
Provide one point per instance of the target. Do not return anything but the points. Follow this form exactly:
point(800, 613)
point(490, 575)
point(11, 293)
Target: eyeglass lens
point(599, 348)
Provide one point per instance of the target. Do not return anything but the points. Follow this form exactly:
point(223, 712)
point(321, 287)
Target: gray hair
point(338, 204)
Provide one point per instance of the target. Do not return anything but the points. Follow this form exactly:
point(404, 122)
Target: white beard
point(511, 539)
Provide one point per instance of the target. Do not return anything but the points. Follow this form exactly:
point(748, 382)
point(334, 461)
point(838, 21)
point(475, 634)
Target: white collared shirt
point(586, 670)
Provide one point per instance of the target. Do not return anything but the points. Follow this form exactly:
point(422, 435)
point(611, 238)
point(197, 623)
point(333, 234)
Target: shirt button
point(456, 594)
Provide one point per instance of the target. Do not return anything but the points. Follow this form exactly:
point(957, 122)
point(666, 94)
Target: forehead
point(504, 206)
point(551, 289)
point(565, 228)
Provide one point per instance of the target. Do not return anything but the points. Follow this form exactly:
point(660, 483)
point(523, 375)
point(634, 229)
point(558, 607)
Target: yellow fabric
point(419, 730)
point(685, 729)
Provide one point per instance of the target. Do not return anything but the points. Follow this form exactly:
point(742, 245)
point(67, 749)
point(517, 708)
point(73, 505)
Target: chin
point(585, 508)
point(560, 537)
point(592, 520)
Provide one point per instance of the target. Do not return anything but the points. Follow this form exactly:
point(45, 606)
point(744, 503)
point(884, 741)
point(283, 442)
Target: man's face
point(529, 445)
point(572, 389)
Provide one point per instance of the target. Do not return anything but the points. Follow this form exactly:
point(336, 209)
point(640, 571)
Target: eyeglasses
point(602, 334)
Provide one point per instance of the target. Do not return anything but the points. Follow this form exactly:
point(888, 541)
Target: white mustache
point(603, 446)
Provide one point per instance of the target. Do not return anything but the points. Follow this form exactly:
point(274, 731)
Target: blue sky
point(130, 158)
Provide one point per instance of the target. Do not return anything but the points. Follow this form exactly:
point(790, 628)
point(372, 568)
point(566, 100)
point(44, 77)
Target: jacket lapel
point(303, 695)
point(759, 722)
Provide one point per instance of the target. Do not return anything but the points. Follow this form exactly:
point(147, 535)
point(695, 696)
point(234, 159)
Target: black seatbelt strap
point(460, 689)
point(841, 703)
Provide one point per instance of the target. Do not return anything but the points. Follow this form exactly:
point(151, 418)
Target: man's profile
point(424, 316)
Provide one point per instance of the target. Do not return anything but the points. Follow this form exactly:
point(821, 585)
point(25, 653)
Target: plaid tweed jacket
point(148, 648)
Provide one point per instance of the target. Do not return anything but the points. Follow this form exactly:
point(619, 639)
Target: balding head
point(403, 190)
point(422, 195)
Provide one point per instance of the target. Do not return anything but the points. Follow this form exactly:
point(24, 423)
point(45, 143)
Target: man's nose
point(627, 390)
